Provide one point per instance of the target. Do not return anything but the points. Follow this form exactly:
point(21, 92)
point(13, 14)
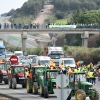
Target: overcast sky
point(7, 5)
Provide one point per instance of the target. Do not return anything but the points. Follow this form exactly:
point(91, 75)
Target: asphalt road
point(23, 95)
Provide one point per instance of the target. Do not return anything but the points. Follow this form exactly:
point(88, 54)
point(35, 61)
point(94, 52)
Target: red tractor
point(3, 72)
point(16, 75)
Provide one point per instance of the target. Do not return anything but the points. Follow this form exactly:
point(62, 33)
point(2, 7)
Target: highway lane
point(23, 95)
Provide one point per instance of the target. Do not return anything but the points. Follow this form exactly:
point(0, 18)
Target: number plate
point(21, 78)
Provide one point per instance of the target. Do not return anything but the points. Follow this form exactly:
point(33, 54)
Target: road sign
point(62, 80)
point(62, 94)
point(14, 59)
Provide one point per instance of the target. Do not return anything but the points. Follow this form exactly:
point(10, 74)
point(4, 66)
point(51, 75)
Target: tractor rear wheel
point(96, 97)
point(23, 85)
point(10, 83)
point(14, 83)
point(6, 82)
point(35, 88)
point(28, 87)
point(41, 90)
point(80, 95)
point(45, 90)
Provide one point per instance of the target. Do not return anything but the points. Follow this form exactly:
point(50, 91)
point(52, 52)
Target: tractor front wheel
point(41, 90)
point(46, 94)
point(80, 95)
point(96, 97)
point(14, 83)
point(35, 88)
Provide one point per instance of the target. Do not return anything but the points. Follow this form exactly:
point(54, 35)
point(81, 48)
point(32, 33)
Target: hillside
point(62, 9)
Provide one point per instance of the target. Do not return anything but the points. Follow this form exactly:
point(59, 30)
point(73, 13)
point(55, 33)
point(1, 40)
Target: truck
point(55, 53)
point(2, 49)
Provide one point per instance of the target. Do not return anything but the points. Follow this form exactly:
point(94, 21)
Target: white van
point(18, 53)
point(67, 62)
point(42, 60)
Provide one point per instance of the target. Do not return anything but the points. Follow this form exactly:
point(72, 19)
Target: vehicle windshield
point(31, 57)
point(2, 49)
point(19, 69)
point(39, 71)
point(18, 54)
point(69, 62)
point(3, 66)
point(56, 56)
point(52, 74)
point(80, 77)
point(44, 62)
point(9, 55)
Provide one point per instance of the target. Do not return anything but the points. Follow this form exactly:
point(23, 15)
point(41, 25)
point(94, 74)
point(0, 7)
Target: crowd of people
point(91, 71)
point(46, 25)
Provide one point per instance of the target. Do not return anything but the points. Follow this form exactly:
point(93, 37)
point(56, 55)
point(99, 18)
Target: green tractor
point(32, 79)
point(80, 88)
point(47, 82)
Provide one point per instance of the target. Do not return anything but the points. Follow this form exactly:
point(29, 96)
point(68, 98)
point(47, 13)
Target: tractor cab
point(80, 88)
point(48, 82)
point(77, 78)
point(3, 71)
point(35, 73)
point(17, 76)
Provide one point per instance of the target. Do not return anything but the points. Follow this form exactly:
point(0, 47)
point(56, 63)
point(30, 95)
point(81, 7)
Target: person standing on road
point(99, 74)
point(0, 25)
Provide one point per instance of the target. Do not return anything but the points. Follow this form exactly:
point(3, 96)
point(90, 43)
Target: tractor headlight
point(90, 87)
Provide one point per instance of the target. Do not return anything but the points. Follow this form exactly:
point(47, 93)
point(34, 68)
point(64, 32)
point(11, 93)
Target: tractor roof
point(40, 67)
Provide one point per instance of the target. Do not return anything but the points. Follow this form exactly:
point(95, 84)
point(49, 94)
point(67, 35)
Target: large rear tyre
point(35, 88)
point(6, 82)
point(10, 83)
point(23, 85)
point(14, 83)
point(96, 97)
point(28, 87)
point(46, 94)
point(41, 90)
point(80, 95)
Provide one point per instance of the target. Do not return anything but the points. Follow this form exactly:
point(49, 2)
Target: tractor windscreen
point(52, 74)
point(80, 77)
point(19, 69)
point(3, 66)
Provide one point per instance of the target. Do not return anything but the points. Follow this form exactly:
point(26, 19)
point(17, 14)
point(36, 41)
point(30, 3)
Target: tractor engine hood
point(86, 83)
point(3, 71)
point(20, 74)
